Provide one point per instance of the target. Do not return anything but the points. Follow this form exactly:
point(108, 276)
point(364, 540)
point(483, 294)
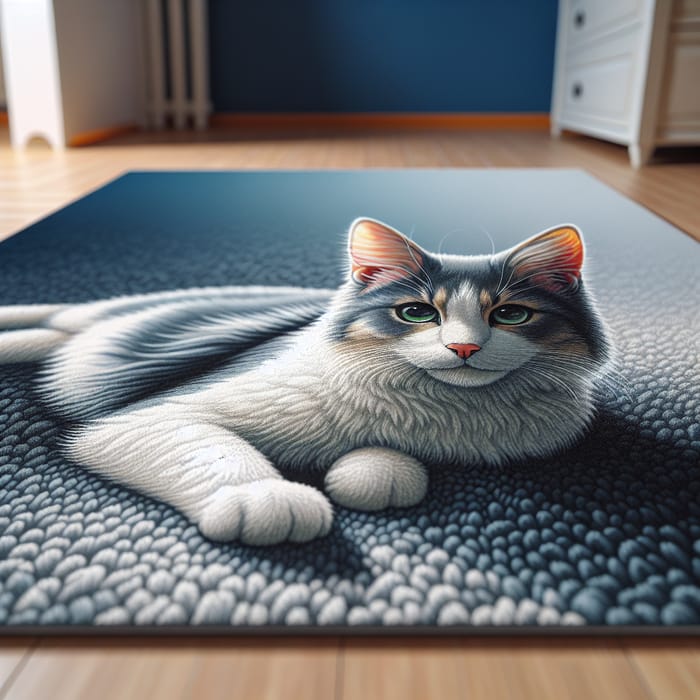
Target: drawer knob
point(577, 89)
point(579, 19)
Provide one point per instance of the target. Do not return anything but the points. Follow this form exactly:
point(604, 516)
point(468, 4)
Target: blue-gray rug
point(603, 536)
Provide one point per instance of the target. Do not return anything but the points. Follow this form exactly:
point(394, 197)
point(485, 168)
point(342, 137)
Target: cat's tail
point(33, 332)
point(27, 333)
point(100, 356)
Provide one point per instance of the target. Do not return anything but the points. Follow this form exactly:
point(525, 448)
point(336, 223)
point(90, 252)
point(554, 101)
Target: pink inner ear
point(552, 260)
point(380, 254)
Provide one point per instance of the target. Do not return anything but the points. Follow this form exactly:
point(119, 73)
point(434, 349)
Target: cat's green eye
point(416, 312)
point(510, 315)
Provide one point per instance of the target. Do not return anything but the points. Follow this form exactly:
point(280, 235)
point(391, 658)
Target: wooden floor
point(39, 181)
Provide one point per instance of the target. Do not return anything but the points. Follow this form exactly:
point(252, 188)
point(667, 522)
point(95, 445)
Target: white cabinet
point(72, 68)
point(629, 71)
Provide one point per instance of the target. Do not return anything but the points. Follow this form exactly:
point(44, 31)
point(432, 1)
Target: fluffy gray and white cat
point(196, 397)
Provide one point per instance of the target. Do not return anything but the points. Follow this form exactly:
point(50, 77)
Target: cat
point(195, 397)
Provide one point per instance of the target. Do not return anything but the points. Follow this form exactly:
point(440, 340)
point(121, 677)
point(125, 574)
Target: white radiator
point(186, 22)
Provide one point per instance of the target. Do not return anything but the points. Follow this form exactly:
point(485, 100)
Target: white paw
point(266, 512)
point(374, 478)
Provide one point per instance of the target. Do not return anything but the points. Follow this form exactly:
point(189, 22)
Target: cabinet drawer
point(600, 79)
point(603, 89)
point(588, 19)
point(624, 43)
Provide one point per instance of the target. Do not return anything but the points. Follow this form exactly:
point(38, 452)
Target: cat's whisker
point(520, 289)
point(542, 372)
point(607, 369)
point(419, 264)
point(564, 273)
point(616, 385)
point(503, 286)
point(582, 372)
point(488, 235)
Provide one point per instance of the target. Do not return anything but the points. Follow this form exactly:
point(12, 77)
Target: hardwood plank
point(670, 668)
point(423, 151)
point(13, 653)
point(562, 669)
point(489, 669)
point(296, 671)
point(408, 670)
point(461, 150)
point(190, 669)
point(383, 152)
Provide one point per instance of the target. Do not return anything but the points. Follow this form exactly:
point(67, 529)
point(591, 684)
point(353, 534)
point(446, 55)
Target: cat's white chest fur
point(310, 405)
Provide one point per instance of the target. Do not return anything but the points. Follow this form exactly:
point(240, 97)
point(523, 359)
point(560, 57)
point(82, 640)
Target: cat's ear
point(380, 255)
point(552, 259)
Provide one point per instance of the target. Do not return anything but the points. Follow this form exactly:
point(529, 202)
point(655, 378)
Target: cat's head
point(470, 320)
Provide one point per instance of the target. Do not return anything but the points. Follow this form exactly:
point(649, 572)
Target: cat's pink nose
point(464, 350)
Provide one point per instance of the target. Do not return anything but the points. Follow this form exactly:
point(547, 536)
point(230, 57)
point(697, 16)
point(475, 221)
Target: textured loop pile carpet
point(606, 534)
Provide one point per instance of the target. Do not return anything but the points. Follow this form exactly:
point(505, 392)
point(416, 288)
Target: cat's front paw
point(374, 478)
point(266, 512)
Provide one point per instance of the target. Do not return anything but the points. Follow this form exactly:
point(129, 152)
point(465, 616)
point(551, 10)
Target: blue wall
point(382, 55)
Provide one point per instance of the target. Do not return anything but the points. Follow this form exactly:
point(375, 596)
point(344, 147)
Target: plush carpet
point(605, 535)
